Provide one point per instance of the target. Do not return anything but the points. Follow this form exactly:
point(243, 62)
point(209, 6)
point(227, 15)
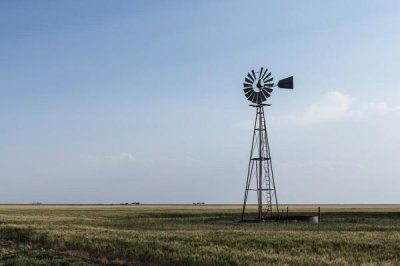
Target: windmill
point(257, 87)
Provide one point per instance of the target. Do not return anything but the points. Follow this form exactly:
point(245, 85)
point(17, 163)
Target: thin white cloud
point(286, 167)
point(332, 106)
point(122, 157)
point(182, 161)
point(382, 108)
point(128, 157)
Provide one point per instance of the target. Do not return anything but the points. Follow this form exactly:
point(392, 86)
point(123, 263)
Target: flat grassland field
point(195, 235)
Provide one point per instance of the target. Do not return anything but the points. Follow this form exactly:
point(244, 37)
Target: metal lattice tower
point(260, 175)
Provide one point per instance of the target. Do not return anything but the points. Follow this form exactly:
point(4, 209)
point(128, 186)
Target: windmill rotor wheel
point(258, 85)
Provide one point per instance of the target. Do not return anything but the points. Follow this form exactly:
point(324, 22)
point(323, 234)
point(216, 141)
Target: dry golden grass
point(207, 234)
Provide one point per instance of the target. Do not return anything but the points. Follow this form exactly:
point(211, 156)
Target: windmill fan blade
point(269, 90)
point(269, 85)
point(246, 85)
point(260, 97)
point(248, 94)
point(266, 71)
point(286, 83)
point(248, 80)
point(263, 97)
point(254, 74)
point(269, 74)
point(261, 72)
point(247, 90)
point(250, 77)
point(256, 98)
point(266, 94)
point(251, 96)
point(268, 80)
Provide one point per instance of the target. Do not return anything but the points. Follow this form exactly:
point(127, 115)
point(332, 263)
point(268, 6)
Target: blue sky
point(107, 102)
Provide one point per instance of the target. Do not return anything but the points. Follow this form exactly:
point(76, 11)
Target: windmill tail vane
point(286, 83)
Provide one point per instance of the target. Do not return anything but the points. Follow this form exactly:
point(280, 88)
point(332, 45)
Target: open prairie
point(196, 235)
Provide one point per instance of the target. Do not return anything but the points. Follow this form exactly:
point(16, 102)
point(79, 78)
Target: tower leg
point(249, 170)
point(260, 163)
